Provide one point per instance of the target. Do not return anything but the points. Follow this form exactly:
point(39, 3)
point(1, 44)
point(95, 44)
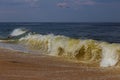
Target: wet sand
point(21, 66)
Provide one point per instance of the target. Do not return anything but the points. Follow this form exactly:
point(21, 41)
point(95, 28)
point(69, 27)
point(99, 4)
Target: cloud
point(19, 2)
point(63, 5)
point(32, 2)
point(85, 2)
point(71, 3)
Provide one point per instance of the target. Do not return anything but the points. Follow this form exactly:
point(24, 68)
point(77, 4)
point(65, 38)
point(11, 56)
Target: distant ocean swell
point(86, 51)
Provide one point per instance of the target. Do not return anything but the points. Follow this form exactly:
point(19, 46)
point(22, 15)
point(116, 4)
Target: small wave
point(85, 51)
point(14, 36)
point(18, 31)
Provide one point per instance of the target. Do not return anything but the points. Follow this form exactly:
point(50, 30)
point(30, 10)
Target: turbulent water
point(84, 42)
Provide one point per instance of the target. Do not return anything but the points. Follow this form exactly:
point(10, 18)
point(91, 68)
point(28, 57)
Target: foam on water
point(85, 51)
point(18, 31)
point(110, 54)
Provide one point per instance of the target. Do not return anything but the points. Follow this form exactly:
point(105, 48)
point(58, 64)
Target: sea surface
point(109, 32)
point(84, 42)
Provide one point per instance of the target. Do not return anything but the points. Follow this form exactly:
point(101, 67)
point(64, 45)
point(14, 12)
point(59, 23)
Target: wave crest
point(18, 31)
point(86, 51)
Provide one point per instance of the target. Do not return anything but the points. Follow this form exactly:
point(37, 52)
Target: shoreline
point(16, 65)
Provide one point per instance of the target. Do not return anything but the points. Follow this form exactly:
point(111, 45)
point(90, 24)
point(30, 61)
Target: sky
point(59, 10)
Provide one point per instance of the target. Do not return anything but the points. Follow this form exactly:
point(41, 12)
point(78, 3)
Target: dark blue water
point(109, 32)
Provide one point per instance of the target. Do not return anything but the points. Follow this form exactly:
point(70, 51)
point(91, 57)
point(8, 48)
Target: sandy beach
point(22, 66)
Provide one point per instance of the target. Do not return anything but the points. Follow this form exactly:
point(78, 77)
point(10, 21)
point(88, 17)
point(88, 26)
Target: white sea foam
point(82, 50)
point(18, 31)
point(110, 54)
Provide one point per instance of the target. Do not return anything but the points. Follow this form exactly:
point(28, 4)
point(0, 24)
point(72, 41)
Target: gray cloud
point(69, 3)
point(78, 3)
point(63, 5)
point(19, 2)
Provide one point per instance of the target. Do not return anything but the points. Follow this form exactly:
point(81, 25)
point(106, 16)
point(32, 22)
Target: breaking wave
point(86, 51)
point(18, 31)
point(15, 35)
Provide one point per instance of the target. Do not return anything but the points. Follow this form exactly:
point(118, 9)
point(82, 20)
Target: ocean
point(98, 31)
point(84, 42)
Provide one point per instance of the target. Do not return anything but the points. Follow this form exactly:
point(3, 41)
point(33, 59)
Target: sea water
point(85, 42)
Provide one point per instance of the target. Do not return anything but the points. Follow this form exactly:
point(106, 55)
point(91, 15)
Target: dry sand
point(20, 66)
